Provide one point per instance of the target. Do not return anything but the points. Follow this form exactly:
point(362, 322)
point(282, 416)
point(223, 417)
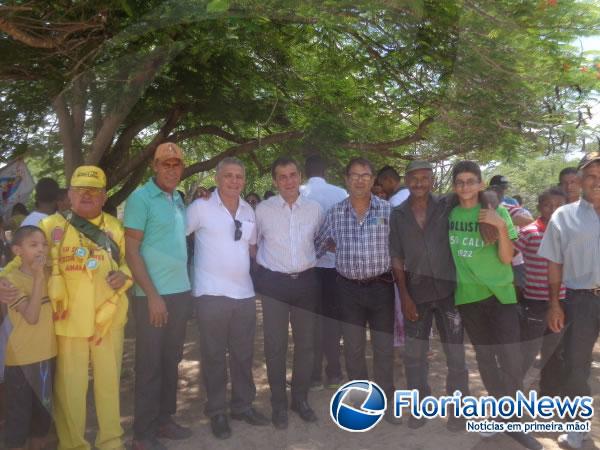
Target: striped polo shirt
point(536, 267)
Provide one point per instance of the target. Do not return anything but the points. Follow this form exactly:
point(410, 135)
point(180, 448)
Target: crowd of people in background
point(385, 254)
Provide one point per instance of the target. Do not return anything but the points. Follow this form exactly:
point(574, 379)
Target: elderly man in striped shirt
point(359, 227)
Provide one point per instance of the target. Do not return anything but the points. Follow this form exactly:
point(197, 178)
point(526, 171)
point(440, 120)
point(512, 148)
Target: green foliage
point(528, 177)
point(499, 79)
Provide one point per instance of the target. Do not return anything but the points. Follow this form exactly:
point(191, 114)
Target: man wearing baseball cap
point(87, 290)
point(157, 254)
point(425, 276)
point(500, 182)
point(571, 245)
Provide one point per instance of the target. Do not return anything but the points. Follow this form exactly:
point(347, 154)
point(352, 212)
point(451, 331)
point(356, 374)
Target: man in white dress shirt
point(224, 228)
point(287, 224)
point(329, 328)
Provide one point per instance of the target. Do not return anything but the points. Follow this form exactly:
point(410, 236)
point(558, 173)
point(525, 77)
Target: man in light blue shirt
point(571, 245)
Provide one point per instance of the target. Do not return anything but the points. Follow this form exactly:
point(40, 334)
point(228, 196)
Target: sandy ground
point(324, 434)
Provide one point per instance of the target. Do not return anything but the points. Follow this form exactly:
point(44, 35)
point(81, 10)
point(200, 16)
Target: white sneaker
point(488, 434)
point(572, 440)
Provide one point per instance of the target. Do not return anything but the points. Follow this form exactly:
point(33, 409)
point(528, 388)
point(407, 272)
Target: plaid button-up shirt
point(361, 247)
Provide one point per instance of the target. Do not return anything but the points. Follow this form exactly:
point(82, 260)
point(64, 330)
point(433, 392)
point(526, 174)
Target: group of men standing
point(324, 261)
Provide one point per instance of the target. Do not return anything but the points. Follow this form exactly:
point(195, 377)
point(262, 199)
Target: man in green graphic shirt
point(485, 294)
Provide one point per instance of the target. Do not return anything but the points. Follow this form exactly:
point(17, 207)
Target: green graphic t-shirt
point(479, 272)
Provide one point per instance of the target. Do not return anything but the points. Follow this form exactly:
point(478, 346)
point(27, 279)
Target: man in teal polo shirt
point(157, 255)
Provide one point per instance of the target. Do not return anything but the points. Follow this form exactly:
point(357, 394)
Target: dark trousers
point(227, 324)
point(493, 328)
point(450, 326)
point(553, 373)
point(288, 300)
point(373, 305)
point(533, 328)
point(580, 340)
point(28, 401)
point(158, 352)
point(328, 330)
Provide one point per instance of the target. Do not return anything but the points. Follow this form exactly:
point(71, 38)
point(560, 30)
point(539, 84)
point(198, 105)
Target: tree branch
point(382, 146)
point(113, 120)
point(206, 129)
point(71, 149)
point(132, 182)
point(236, 150)
point(78, 108)
point(25, 38)
point(160, 137)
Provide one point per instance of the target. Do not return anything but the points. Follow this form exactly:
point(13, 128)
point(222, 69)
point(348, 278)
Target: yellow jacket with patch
point(86, 290)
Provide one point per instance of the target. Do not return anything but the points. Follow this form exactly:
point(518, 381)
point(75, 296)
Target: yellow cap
point(89, 176)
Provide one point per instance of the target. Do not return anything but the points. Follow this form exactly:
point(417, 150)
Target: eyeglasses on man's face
point(466, 183)
point(352, 176)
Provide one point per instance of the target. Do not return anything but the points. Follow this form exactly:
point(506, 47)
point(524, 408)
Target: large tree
point(105, 82)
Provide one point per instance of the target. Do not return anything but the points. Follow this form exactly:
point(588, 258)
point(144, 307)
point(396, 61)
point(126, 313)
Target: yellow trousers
point(71, 385)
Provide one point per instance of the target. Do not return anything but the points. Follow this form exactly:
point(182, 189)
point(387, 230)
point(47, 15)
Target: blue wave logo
point(358, 406)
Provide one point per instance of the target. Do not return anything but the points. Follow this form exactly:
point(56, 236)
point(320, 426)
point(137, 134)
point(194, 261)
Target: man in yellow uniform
point(87, 290)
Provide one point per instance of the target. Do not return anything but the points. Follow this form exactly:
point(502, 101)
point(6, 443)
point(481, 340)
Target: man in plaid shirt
point(359, 228)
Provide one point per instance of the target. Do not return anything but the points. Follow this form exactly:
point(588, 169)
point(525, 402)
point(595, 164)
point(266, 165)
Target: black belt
point(595, 291)
point(293, 275)
point(385, 277)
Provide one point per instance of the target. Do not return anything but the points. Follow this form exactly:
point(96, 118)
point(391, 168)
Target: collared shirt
point(34, 218)
point(361, 247)
point(221, 264)
point(29, 343)
point(572, 239)
point(161, 216)
point(509, 201)
point(286, 235)
point(327, 195)
point(398, 197)
point(428, 263)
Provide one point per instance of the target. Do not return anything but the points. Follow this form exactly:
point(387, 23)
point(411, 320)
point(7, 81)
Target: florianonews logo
point(358, 406)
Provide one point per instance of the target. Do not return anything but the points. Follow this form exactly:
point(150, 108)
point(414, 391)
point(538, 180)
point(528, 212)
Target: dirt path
point(324, 434)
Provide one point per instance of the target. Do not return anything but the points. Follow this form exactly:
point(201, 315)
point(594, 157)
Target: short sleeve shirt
point(429, 267)
point(572, 239)
point(161, 216)
point(480, 273)
point(27, 343)
point(221, 263)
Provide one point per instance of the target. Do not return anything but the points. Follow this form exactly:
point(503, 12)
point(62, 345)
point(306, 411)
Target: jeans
point(493, 328)
point(533, 328)
point(373, 305)
point(450, 326)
